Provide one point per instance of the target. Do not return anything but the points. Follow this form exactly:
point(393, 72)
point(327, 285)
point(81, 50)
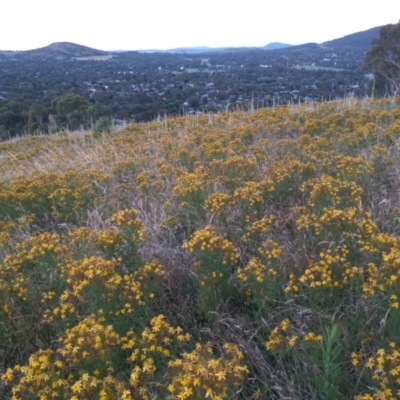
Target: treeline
point(65, 112)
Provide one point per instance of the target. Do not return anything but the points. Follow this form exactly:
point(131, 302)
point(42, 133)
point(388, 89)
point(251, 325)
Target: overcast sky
point(162, 24)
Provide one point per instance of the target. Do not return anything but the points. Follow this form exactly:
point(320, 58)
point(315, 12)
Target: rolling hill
point(59, 50)
point(276, 45)
point(66, 50)
point(359, 40)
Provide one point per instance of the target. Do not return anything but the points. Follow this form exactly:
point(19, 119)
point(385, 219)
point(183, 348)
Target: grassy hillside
point(355, 41)
point(238, 256)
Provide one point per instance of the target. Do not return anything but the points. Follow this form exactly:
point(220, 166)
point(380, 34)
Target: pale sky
point(163, 24)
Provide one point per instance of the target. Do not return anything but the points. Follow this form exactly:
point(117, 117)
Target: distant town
point(141, 86)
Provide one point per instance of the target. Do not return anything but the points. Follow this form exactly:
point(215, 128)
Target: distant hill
point(360, 41)
point(189, 50)
point(64, 50)
point(276, 45)
point(300, 49)
point(206, 49)
point(355, 41)
point(199, 49)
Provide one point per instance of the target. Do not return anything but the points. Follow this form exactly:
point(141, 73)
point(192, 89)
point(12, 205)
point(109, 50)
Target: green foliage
point(74, 112)
point(70, 111)
point(330, 364)
point(37, 113)
point(103, 125)
point(13, 118)
point(384, 59)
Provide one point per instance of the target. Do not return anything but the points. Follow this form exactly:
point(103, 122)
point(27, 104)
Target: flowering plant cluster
point(241, 255)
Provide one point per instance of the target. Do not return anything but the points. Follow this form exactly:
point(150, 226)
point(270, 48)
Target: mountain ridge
point(63, 50)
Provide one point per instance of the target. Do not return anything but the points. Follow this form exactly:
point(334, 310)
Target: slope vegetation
point(243, 255)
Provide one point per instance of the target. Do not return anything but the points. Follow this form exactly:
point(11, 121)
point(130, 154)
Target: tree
point(13, 117)
point(194, 102)
point(70, 111)
point(384, 59)
point(103, 125)
point(37, 113)
point(97, 112)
